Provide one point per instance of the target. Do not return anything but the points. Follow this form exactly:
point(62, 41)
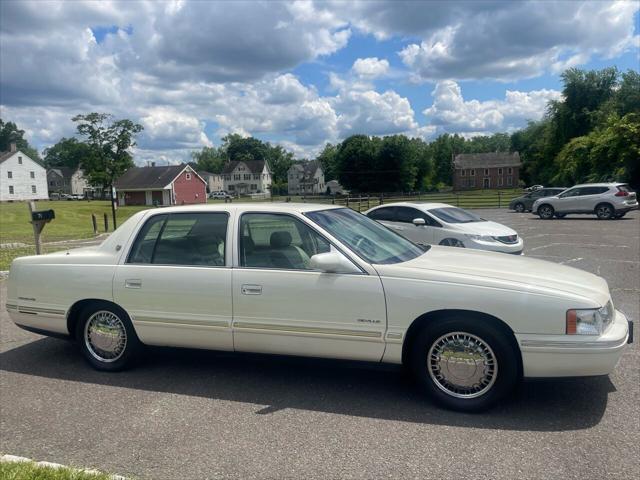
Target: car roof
point(606, 184)
point(249, 206)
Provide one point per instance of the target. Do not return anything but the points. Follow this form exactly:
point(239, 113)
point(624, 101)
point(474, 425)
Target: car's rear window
point(624, 188)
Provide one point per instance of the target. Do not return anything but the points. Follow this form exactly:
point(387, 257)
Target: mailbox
point(43, 215)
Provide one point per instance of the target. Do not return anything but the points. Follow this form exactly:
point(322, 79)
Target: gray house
point(306, 178)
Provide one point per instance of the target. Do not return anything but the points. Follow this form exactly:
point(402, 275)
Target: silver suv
point(606, 200)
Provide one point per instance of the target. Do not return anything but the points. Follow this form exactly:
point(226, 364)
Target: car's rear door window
point(384, 214)
point(190, 239)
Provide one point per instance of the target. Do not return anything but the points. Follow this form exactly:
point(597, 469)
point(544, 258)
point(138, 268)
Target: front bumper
point(513, 248)
point(575, 355)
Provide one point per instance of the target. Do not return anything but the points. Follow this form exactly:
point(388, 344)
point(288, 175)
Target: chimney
point(153, 164)
point(12, 147)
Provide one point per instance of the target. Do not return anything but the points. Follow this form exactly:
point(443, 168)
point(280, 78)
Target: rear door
point(175, 281)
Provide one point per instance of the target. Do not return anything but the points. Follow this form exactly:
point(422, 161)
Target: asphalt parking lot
point(195, 414)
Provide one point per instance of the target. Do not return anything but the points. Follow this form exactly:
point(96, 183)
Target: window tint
point(278, 241)
point(455, 215)
point(196, 239)
point(407, 214)
point(383, 214)
point(368, 239)
point(574, 192)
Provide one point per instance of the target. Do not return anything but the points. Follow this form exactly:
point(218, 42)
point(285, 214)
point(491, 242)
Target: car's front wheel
point(106, 337)
point(546, 212)
point(451, 242)
point(464, 364)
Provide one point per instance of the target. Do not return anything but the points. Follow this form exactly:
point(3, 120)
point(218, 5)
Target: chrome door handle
point(251, 289)
point(133, 283)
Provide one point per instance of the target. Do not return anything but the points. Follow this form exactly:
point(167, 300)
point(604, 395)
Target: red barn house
point(170, 185)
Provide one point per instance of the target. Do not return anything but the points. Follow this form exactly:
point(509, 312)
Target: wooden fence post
point(499, 199)
point(94, 222)
point(347, 201)
point(37, 227)
point(382, 199)
point(106, 223)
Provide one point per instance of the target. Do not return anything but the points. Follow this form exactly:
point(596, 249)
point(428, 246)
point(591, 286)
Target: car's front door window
point(278, 241)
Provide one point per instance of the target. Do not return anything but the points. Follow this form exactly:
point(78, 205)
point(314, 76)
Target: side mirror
point(332, 262)
point(418, 222)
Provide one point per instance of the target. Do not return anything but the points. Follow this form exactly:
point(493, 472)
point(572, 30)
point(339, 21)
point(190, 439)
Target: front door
point(486, 183)
point(281, 305)
point(176, 281)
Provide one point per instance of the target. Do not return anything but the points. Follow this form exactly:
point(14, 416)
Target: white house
point(306, 178)
point(215, 183)
point(21, 177)
point(67, 180)
point(247, 177)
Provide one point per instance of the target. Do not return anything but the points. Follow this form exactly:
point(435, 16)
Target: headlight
point(482, 238)
point(589, 321)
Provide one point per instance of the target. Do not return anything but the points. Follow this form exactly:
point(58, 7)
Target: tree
point(356, 162)
point(210, 159)
point(627, 97)
point(327, 160)
point(237, 147)
point(68, 152)
point(279, 160)
point(10, 133)
point(396, 165)
point(109, 142)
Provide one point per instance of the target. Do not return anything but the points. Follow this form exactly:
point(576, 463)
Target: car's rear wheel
point(519, 207)
point(465, 364)
point(546, 212)
point(451, 242)
point(604, 211)
point(106, 337)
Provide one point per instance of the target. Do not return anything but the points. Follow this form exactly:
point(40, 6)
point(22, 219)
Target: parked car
point(71, 197)
point(525, 202)
point(442, 224)
point(321, 281)
point(222, 195)
point(533, 188)
point(605, 200)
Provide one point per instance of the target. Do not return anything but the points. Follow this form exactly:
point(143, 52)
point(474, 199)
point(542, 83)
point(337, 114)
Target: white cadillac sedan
point(321, 281)
point(443, 224)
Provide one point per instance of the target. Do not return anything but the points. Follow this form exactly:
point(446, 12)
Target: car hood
point(500, 270)
point(493, 229)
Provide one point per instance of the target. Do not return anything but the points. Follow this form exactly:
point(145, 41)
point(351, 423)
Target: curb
point(16, 459)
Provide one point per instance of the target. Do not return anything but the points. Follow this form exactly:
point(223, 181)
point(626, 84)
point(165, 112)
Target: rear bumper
point(46, 321)
point(574, 355)
point(626, 208)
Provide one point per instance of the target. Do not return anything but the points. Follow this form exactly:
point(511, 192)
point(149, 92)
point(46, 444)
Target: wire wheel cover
point(105, 336)
point(462, 365)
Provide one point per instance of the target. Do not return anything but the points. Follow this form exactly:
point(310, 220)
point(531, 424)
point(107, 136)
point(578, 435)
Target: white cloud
point(370, 67)
point(450, 112)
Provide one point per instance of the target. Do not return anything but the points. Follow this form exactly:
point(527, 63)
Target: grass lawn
point(33, 471)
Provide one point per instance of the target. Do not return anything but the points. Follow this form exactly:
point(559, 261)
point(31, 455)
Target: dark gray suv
point(525, 202)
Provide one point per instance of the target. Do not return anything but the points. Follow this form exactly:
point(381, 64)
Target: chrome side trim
point(394, 336)
point(38, 310)
point(606, 344)
point(11, 306)
point(292, 329)
point(179, 321)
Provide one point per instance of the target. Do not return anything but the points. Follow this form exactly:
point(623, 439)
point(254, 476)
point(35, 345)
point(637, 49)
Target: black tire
point(604, 211)
point(119, 339)
point(451, 242)
point(519, 207)
point(561, 215)
point(496, 383)
point(546, 211)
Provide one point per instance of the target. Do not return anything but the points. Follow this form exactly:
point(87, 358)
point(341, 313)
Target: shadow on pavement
point(345, 388)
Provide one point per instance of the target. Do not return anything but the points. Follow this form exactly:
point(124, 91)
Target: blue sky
point(300, 74)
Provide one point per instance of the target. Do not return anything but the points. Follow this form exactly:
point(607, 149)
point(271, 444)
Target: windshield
point(372, 241)
point(455, 215)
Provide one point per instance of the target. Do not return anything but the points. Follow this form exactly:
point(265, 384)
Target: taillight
point(621, 193)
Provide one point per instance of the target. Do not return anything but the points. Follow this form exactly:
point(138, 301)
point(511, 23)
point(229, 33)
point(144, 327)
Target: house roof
point(254, 166)
point(308, 169)
point(204, 173)
point(149, 177)
point(64, 172)
point(487, 160)
point(7, 155)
